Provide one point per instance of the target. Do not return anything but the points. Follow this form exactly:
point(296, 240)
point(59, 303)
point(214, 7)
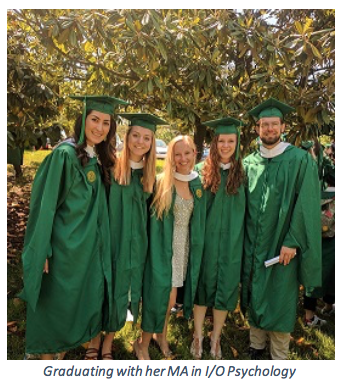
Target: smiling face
point(270, 129)
point(97, 127)
point(139, 142)
point(184, 158)
point(226, 147)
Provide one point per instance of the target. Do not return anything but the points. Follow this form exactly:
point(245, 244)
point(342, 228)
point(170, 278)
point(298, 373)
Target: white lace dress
point(183, 209)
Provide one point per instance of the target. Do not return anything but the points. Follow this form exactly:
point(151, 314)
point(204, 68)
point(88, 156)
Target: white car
point(161, 149)
point(205, 153)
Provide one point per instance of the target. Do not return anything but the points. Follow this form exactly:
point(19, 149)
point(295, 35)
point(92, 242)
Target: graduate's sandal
point(166, 352)
point(216, 350)
point(196, 347)
point(138, 351)
point(107, 357)
point(92, 354)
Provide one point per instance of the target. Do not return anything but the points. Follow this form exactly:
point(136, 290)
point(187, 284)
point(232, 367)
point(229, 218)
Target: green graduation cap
point(271, 108)
point(104, 104)
point(148, 121)
point(306, 144)
point(284, 136)
point(227, 125)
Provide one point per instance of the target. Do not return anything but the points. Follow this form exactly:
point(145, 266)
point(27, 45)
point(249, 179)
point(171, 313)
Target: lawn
point(305, 343)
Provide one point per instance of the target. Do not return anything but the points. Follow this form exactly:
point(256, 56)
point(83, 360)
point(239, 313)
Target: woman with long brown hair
point(222, 177)
point(176, 233)
point(66, 258)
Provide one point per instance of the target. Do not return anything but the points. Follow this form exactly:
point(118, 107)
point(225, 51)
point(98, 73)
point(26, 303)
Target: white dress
point(183, 209)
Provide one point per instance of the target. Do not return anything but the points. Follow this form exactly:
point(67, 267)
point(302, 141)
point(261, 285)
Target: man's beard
point(270, 140)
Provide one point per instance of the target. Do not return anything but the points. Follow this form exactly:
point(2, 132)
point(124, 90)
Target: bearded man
point(282, 219)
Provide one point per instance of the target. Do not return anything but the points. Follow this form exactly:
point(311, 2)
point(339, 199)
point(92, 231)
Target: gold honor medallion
point(198, 193)
point(91, 176)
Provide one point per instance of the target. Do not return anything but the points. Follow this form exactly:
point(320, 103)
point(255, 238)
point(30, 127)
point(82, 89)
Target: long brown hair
point(106, 149)
point(122, 171)
point(211, 171)
point(165, 182)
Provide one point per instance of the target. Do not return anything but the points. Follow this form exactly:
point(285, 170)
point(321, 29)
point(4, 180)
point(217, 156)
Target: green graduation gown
point(283, 209)
point(328, 251)
point(157, 282)
point(128, 214)
point(328, 247)
point(221, 265)
point(68, 225)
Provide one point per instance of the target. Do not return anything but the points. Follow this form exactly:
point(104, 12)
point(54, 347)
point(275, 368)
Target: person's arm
point(304, 234)
point(52, 183)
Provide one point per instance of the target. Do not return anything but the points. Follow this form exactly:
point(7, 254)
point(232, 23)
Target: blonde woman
point(222, 176)
point(176, 244)
point(134, 178)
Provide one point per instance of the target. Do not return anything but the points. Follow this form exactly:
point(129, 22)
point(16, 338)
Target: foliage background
point(188, 66)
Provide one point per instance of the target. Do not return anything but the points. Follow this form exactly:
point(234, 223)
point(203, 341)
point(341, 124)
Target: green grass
point(35, 158)
point(312, 344)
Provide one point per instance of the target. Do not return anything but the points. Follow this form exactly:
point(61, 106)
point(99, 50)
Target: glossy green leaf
point(316, 51)
point(299, 27)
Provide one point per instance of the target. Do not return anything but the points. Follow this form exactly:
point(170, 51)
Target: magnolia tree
point(187, 66)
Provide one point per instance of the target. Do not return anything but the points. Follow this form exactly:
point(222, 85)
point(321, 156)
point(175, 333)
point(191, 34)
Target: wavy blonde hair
point(165, 182)
point(122, 170)
point(211, 171)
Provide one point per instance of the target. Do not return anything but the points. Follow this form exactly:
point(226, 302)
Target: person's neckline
point(225, 166)
point(136, 165)
point(191, 198)
point(186, 178)
point(275, 151)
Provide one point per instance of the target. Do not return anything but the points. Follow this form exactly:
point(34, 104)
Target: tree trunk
point(199, 136)
point(18, 171)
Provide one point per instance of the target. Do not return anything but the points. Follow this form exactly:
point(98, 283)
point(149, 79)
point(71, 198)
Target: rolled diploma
point(272, 261)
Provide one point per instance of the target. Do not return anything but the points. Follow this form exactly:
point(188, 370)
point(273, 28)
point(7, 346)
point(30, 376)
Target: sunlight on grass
point(35, 157)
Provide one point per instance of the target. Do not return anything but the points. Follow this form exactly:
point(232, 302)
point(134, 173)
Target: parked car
point(161, 149)
point(47, 144)
point(205, 153)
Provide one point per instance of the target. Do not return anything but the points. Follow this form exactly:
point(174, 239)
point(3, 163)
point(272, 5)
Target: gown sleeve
point(305, 225)
point(51, 185)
